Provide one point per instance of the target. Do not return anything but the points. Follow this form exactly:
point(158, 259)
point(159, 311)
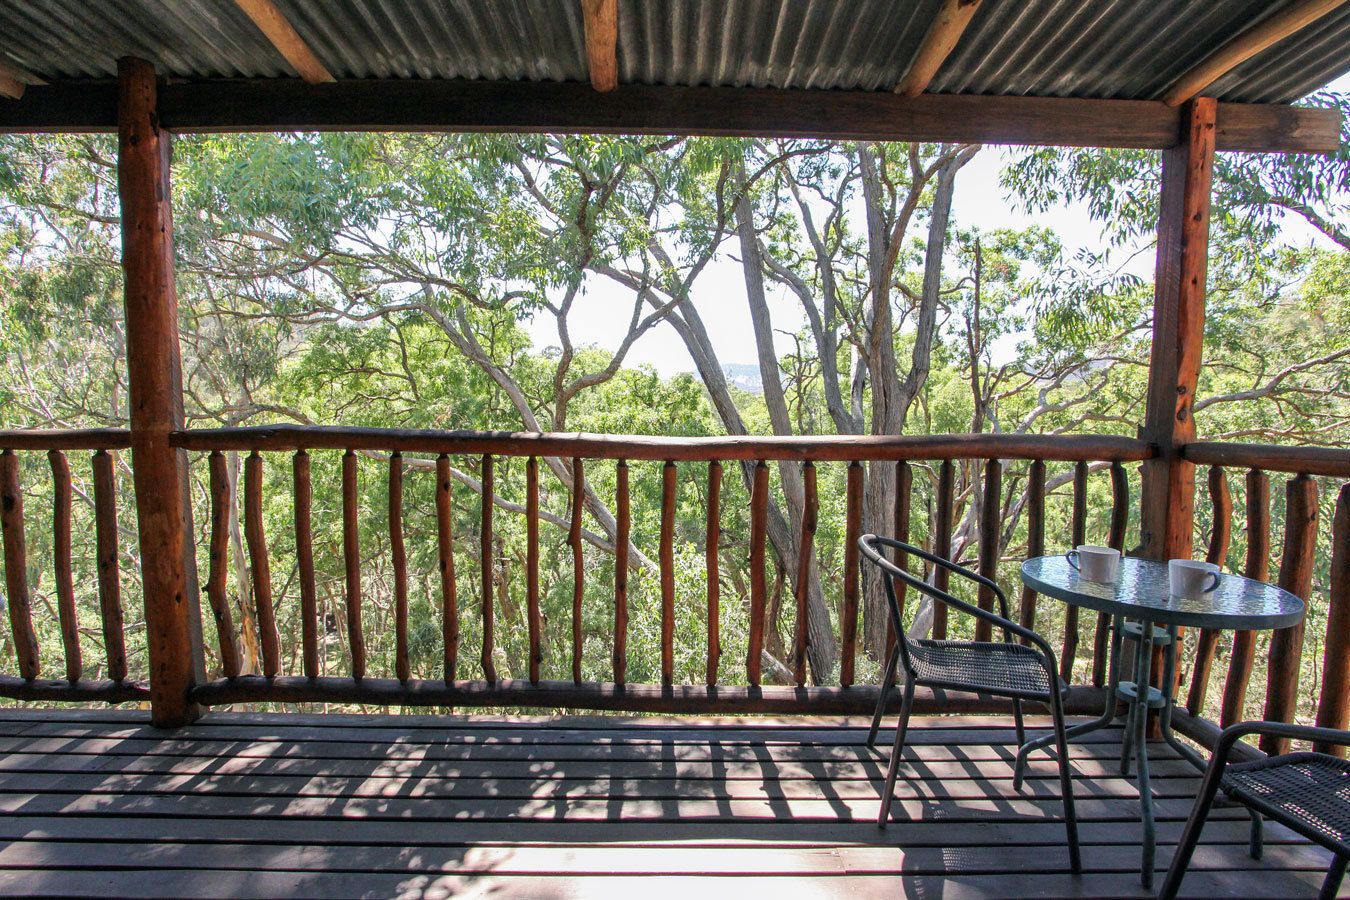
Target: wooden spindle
point(304, 562)
point(16, 567)
point(534, 621)
point(1257, 566)
point(1078, 536)
point(486, 569)
point(578, 564)
point(1026, 615)
point(991, 517)
point(942, 541)
point(109, 573)
point(805, 554)
point(217, 578)
point(848, 625)
point(759, 530)
point(667, 552)
point(64, 564)
point(262, 571)
point(351, 552)
point(1296, 569)
point(623, 525)
point(712, 564)
point(1333, 706)
point(1221, 502)
point(399, 557)
point(445, 561)
point(1120, 520)
point(904, 498)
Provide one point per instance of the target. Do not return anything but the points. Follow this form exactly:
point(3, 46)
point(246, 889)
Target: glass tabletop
point(1141, 592)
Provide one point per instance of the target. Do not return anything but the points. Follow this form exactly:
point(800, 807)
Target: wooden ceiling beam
point(286, 40)
point(275, 104)
point(941, 39)
point(601, 21)
point(1265, 33)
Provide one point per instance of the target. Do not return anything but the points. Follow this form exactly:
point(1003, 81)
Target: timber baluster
point(351, 547)
point(848, 623)
point(1077, 536)
point(805, 556)
point(1220, 535)
point(399, 558)
point(1257, 566)
point(1333, 709)
point(64, 565)
point(304, 561)
point(942, 541)
point(222, 502)
point(578, 563)
point(991, 517)
point(623, 526)
point(1120, 520)
point(256, 539)
point(904, 498)
point(534, 621)
point(445, 561)
point(667, 554)
point(16, 567)
point(1286, 644)
point(712, 564)
point(1035, 536)
point(109, 572)
point(759, 527)
point(486, 568)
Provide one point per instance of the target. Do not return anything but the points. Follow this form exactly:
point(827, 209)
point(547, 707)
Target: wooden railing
point(1010, 473)
point(719, 693)
point(1302, 516)
point(28, 683)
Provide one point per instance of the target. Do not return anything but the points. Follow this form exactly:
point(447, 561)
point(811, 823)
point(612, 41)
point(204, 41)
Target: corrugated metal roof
point(1130, 49)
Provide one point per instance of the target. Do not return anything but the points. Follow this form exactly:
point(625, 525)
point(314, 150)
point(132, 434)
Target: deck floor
point(99, 803)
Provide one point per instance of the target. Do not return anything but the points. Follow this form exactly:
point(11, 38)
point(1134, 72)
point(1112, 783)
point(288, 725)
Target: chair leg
point(1332, 885)
point(1256, 847)
point(1066, 785)
point(1017, 723)
point(887, 682)
point(1190, 835)
point(897, 751)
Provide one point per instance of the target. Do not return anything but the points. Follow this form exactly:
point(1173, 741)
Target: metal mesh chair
point(1023, 670)
point(1307, 792)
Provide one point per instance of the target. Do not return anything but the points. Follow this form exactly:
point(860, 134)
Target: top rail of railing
point(815, 448)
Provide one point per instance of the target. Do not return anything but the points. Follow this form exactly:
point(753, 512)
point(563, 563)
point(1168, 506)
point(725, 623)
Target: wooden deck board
point(96, 802)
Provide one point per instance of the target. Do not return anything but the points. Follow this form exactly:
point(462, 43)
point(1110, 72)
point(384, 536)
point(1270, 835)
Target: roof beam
point(941, 39)
point(286, 40)
point(601, 21)
point(13, 80)
point(274, 104)
point(1265, 33)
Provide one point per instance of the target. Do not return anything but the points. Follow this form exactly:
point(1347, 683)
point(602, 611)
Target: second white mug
point(1095, 563)
point(1191, 578)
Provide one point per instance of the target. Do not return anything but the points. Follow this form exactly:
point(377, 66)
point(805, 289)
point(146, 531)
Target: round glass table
point(1142, 608)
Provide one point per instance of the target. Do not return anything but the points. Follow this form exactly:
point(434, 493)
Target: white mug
point(1095, 563)
point(1190, 578)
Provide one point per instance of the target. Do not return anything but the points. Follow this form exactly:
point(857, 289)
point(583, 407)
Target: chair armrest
point(1234, 733)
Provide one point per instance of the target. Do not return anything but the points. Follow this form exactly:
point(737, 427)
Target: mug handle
point(1213, 585)
point(1072, 557)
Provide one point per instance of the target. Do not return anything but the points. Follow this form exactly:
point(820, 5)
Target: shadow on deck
point(95, 802)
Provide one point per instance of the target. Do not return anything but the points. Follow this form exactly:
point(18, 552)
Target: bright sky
point(600, 316)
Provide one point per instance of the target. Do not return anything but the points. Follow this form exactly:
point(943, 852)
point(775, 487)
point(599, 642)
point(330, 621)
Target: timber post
point(1168, 495)
point(172, 617)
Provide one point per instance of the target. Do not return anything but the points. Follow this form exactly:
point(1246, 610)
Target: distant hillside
point(744, 376)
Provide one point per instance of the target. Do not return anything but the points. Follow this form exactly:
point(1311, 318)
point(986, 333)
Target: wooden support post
point(172, 617)
point(1178, 327)
point(1167, 502)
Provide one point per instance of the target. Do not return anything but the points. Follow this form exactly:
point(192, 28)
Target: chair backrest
point(872, 545)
